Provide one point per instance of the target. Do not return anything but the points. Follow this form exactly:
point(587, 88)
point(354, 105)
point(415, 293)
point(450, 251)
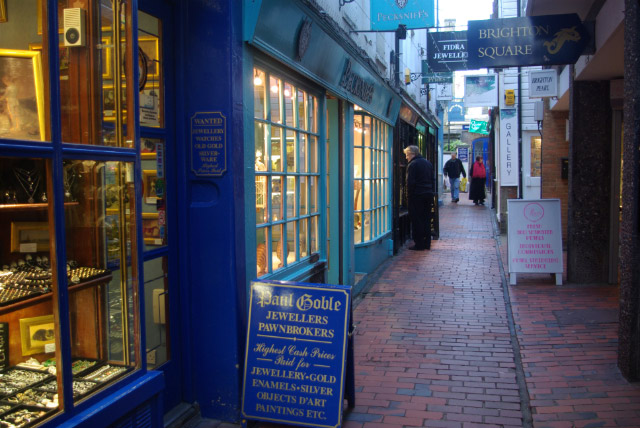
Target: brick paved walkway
point(436, 345)
point(440, 341)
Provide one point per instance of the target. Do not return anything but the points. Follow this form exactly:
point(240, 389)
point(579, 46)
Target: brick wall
point(554, 148)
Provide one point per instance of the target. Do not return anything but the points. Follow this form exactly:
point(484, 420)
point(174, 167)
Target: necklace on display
point(29, 180)
point(68, 178)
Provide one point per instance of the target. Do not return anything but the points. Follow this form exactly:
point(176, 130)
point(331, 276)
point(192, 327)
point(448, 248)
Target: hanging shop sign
point(295, 355)
point(437, 78)
point(543, 83)
point(447, 51)
point(481, 91)
point(388, 14)
point(479, 127)
point(535, 237)
point(208, 144)
point(532, 40)
point(509, 154)
point(428, 77)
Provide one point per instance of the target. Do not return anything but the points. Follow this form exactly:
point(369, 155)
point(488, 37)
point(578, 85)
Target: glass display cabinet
point(69, 310)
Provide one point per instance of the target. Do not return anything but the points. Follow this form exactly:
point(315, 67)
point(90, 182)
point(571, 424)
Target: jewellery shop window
point(98, 220)
point(99, 225)
point(370, 178)
point(286, 172)
point(93, 75)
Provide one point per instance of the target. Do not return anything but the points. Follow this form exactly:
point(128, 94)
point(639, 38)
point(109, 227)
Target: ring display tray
point(13, 380)
point(24, 416)
point(34, 398)
point(105, 373)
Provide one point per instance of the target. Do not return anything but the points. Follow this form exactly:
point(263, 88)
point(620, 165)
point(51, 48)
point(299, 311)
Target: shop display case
point(99, 226)
point(68, 213)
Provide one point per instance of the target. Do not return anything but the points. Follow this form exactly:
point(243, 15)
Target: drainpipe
point(520, 172)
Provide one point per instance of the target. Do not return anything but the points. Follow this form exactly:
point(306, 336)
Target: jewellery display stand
point(27, 285)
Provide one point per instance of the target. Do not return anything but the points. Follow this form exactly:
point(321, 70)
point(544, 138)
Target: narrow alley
point(441, 342)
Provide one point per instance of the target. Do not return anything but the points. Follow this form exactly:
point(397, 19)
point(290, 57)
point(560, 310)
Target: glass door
point(158, 214)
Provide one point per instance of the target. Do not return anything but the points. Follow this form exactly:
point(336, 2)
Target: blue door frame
point(481, 148)
point(173, 369)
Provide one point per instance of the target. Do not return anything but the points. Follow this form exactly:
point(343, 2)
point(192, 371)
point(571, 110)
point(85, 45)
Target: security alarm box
point(74, 27)
point(509, 97)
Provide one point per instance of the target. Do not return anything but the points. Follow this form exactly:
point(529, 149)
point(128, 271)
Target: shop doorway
point(157, 127)
point(531, 164)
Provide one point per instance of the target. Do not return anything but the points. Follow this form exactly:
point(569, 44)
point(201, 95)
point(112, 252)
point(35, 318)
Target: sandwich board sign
point(534, 237)
point(296, 353)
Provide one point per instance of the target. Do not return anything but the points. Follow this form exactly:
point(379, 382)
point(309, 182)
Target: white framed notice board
point(534, 237)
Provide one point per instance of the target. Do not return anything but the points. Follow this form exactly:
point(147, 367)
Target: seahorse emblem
point(562, 36)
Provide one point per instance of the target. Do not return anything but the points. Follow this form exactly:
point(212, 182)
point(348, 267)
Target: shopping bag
point(463, 184)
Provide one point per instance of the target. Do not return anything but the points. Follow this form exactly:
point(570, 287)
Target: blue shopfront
point(156, 157)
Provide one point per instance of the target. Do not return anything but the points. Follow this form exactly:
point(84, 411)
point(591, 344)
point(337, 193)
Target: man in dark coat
point(453, 168)
point(420, 187)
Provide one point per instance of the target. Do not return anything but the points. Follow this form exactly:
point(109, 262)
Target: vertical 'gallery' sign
point(295, 354)
point(509, 154)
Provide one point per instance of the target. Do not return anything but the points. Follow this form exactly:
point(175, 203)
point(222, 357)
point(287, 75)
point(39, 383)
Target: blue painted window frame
point(55, 151)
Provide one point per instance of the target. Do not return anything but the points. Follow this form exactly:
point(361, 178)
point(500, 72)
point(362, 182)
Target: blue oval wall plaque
point(295, 355)
point(209, 144)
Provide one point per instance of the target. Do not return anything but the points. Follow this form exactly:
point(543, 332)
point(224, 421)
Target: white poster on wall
point(481, 91)
point(509, 154)
point(534, 237)
point(444, 91)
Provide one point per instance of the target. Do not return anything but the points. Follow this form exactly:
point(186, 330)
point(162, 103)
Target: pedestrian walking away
point(478, 176)
point(420, 186)
point(452, 169)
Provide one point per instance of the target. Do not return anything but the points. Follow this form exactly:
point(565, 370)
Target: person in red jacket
point(478, 175)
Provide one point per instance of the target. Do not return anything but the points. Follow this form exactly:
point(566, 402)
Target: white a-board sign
point(535, 237)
